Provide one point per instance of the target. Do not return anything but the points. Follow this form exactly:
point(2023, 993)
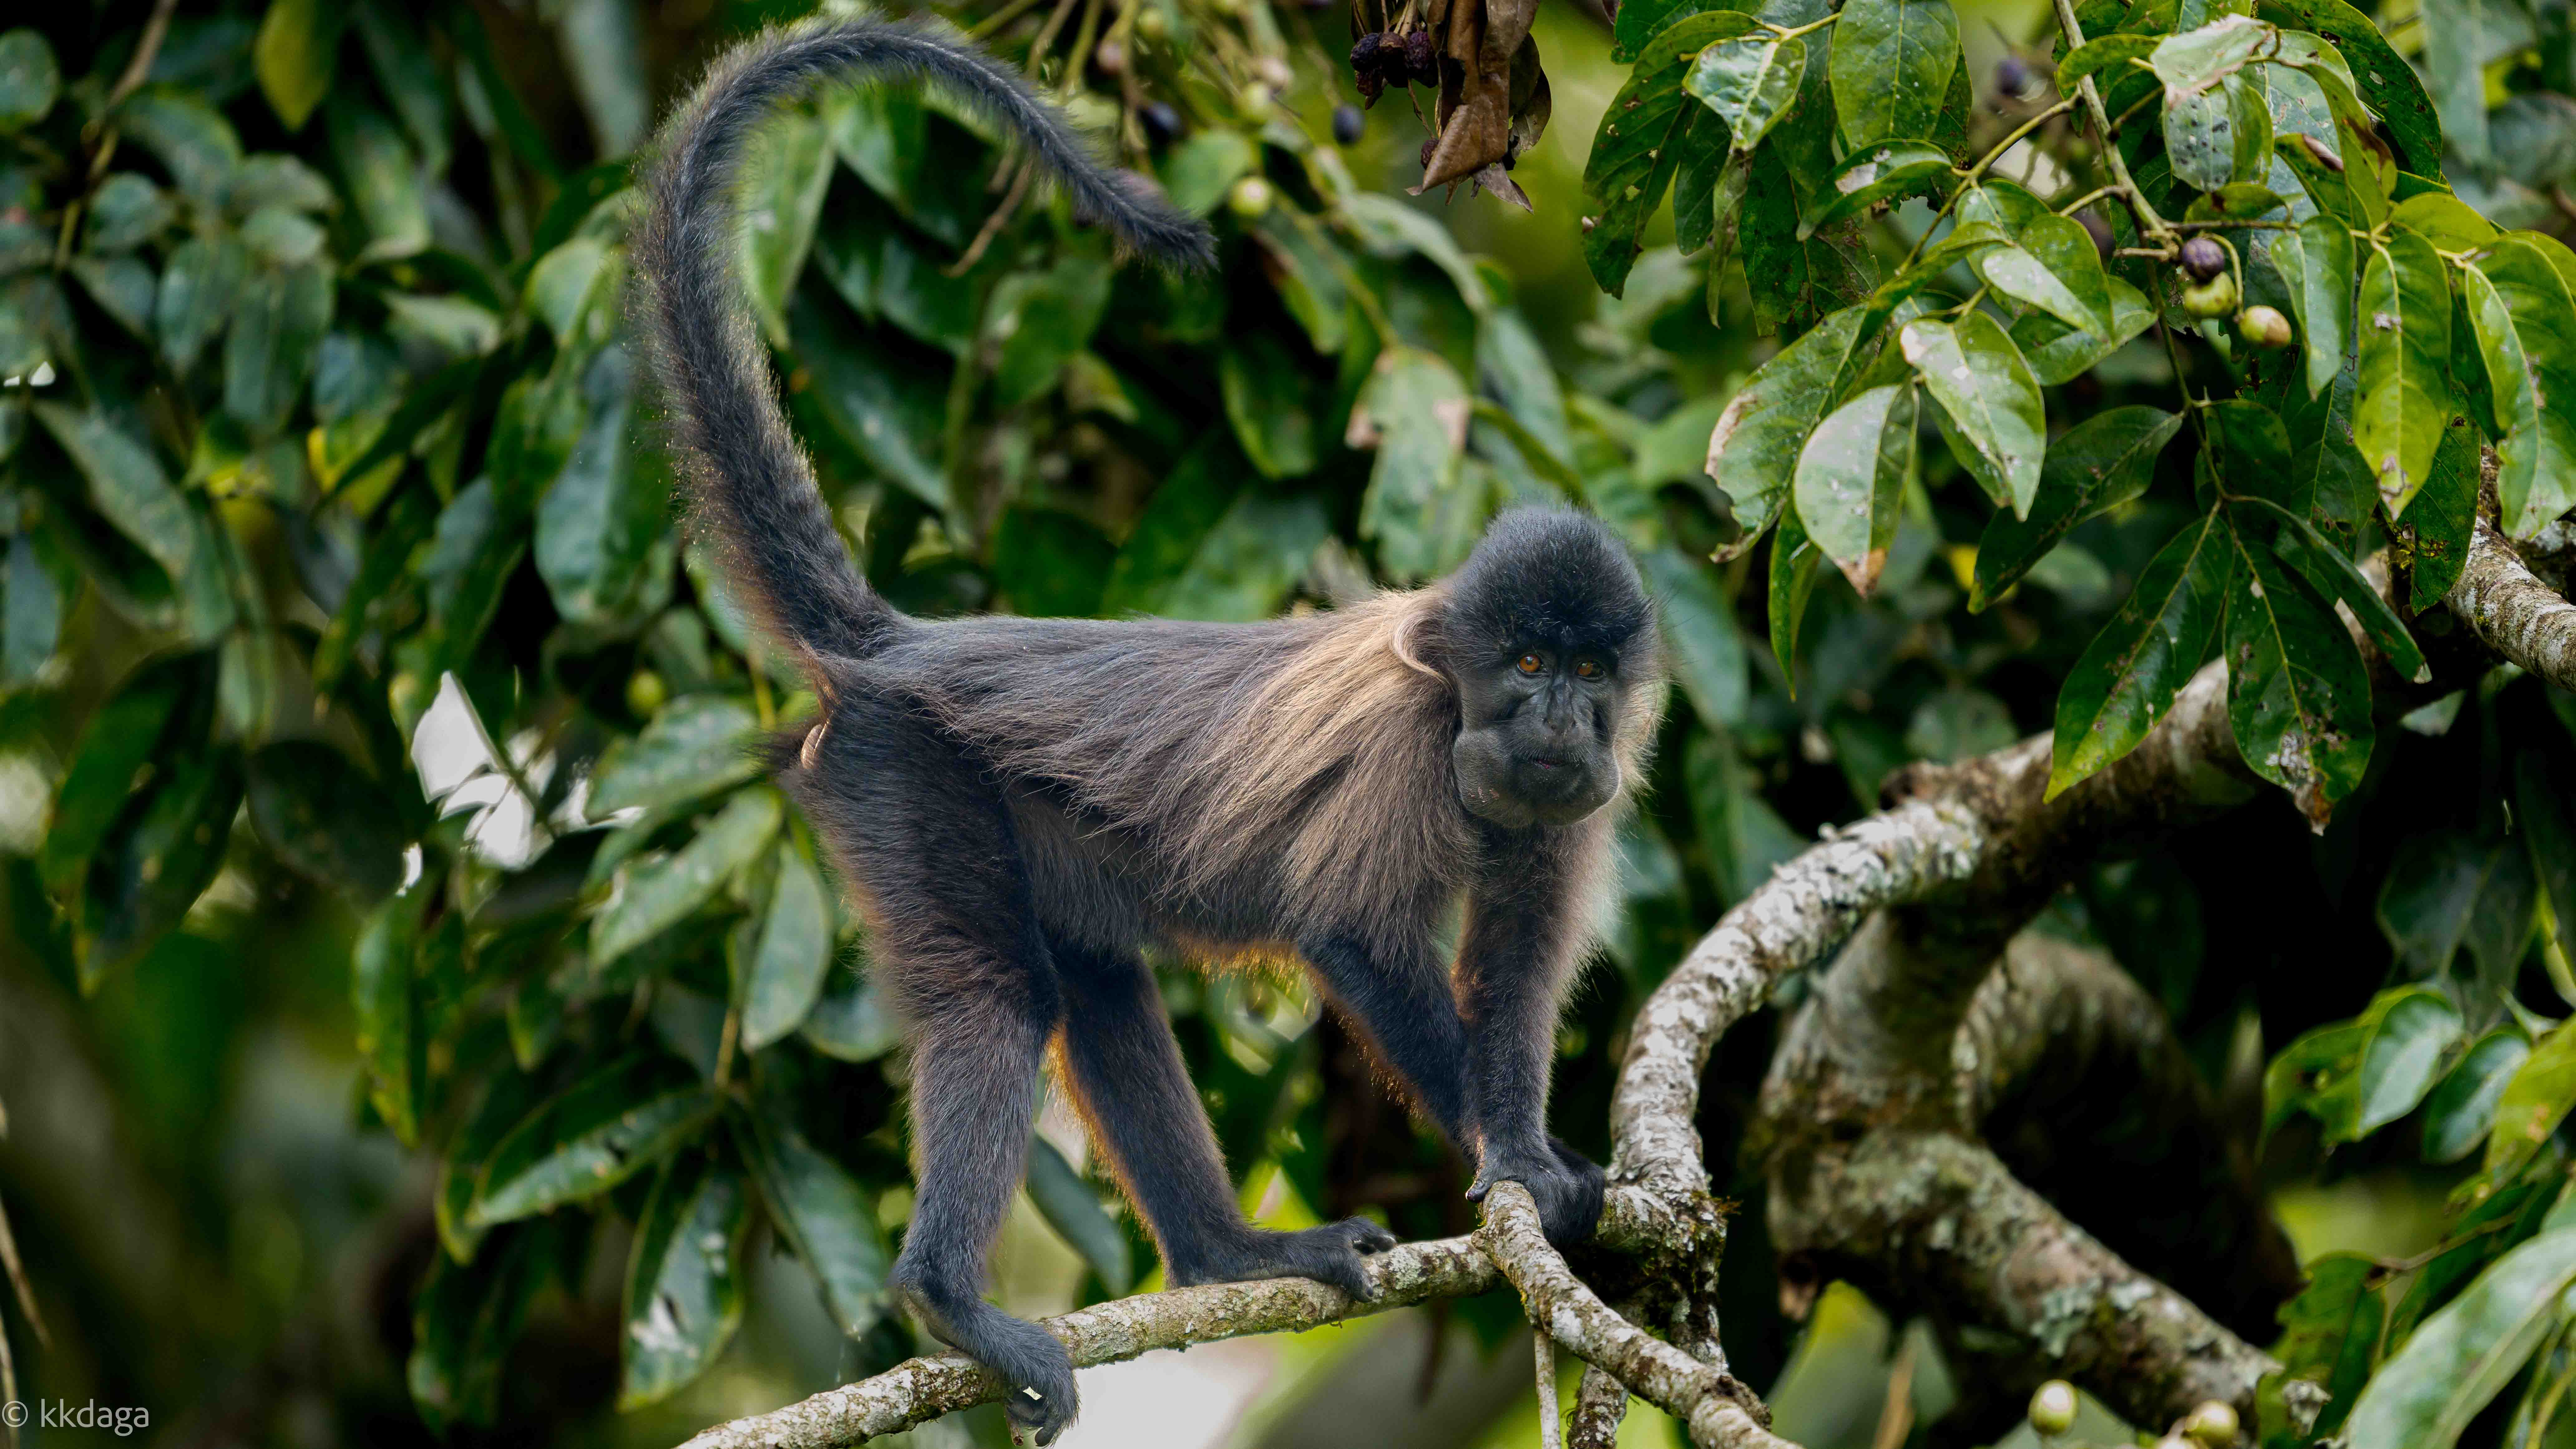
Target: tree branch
point(2513, 612)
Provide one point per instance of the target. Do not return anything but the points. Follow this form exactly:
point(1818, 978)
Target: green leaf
point(466, 1321)
point(852, 1023)
point(2331, 1331)
point(684, 1278)
point(507, 1097)
point(1753, 451)
point(1266, 399)
point(885, 407)
point(1051, 563)
point(1989, 399)
point(1851, 480)
point(2462, 1110)
point(1891, 66)
point(293, 56)
point(157, 860)
point(29, 79)
point(1643, 137)
point(2219, 135)
point(2054, 268)
point(122, 739)
point(2318, 1074)
point(1750, 81)
point(1417, 408)
point(2455, 45)
point(277, 326)
point(699, 744)
point(2333, 574)
point(825, 1216)
point(2463, 1356)
point(1792, 578)
point(2384, 79)
point(590, 1137)
point(2525, 321)
point(1699, 630)
point(2200, 58)
point(2316, 262)
point(129, 488)
point(384, 181)
point(600, 521)
point(2095, 466)
point(2059, 354)
point(324, 818)
point(1392, 229)
point(786, 168)
point(2120, 54)
point(2533, 1103)
point(1038, 321)
point(31, 613)
point(2443, 517)
point(652, 896)
point(1198, 172)
point(2298, 693)
point(2127, 678)
point(391, 1039)
point(1073, 1209)
point(794, 955)
point(1876, 173)
point(2545, 810)
point(2404, 402)
point(2412, 1031)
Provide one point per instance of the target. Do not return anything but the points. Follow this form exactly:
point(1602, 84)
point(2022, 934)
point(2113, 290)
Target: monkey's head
point(1549, 639)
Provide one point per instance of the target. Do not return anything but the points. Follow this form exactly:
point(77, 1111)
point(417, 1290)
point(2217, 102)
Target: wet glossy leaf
point(2413, 1032)
point(1072, 1207)
point(853, 1022)
point(794, 954)
point(2384, 79)
point(1418, 409)
point(1643, 137)
point(599, 521)
point(465, 1321)
point(384, 181)
point(1851, 480)
point(1989, 401)
point(2333, 574)
point(130, 489)
point(2404, 400)
point(2218, 135)
point(1750, 81)
point(158, 858)
point(2298, 694)
point(2059, 354)
point(2463, 1356)
point(2095, 466)
point(198, 289)
point(1264, 391)
point(2331, 1331)
point(2196, 59)
point(684, 1277)
point(192, 138)
point(1891, 66)
point(2117, 54)
point(1039, 320)
point(2525, 322)
point(1753, 451)
point(1882, 172)
point(2444, 515)
point(2054, 268)
point(590, 1137)
point(888, 414)
point(787, 166)
point(1699, 630)
point(653, 896)
point(2316, 262)
point(2461, 1111)
point(2127, 678)
point(2319, 1075)
point(826, 1217)
point(31, 613)
point(698, 745)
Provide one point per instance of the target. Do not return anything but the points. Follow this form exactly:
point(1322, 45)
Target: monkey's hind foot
point(1334, 1253)
point(1040, 1401)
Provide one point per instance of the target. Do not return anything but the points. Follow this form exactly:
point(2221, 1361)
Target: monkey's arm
point(1514, 963)
point(751, 477)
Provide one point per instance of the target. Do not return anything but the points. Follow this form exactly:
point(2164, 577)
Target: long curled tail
point(751, 477)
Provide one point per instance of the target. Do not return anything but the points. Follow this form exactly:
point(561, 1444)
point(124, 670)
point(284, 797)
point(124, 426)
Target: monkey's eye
point(1530, 664)
point(1588, 669)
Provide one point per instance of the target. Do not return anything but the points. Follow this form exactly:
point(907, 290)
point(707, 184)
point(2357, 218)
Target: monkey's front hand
point(1566, 1185)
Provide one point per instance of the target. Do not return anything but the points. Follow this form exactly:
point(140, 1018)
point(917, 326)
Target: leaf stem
point(2014, 137)
point(1792, 32)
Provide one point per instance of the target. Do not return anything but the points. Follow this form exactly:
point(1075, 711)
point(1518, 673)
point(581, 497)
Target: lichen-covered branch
point(1721, 1413)
point(2513, 612)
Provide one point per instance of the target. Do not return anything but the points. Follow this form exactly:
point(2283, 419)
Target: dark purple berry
point(1421, 60)
point(2013, 77)
point(1427, 147)
point(1161, 121)
point(1347, 123)
point(1364, 53)
point(2203, 258)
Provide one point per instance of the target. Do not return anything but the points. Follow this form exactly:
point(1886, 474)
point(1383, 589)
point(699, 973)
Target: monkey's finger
point(1368, 1237)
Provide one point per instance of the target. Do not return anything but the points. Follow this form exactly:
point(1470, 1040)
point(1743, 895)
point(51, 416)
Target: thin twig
point(1551, 1432)
point(993, 224)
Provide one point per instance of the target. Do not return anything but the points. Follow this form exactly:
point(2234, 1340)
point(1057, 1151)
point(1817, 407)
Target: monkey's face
point(1535, 726)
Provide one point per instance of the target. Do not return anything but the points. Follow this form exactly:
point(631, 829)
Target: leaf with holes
point(1851, 480)
point(2298, 694)
point(2525, 321)
point(1988, 399)
point(684, 1278)
point(1891, 63)
point(2404, 402)
point(1753, 451)
point(2127, 678)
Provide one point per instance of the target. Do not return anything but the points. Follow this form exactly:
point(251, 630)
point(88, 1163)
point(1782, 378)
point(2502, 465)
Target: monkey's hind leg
point(957, 942)
point(1125, 1069)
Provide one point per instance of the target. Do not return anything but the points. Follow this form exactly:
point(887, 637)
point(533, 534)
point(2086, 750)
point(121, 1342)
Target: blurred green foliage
point(416, 1016)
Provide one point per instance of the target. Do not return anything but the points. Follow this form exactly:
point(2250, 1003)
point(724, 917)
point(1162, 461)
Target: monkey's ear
point(1417, 638)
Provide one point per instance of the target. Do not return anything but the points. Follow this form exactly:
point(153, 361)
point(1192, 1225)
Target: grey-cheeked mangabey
point(1020, 806)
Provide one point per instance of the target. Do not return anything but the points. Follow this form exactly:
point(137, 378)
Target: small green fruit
point(1250, 199)
point(2264, 327)
point(2052, 1408)
point(646, 693)
point(1152, 23)
point(2212, 1426)
point(2213, 298)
